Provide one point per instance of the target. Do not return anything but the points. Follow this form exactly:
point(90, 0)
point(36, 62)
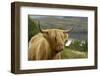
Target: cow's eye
point(47, 33)
point(55, 39)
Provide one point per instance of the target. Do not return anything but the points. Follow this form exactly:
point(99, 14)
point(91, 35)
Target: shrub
point(33, 28)
point(79, 45)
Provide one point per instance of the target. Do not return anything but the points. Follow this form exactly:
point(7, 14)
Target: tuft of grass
point(73, 54)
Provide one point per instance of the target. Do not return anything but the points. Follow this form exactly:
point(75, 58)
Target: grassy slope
point(73, 54)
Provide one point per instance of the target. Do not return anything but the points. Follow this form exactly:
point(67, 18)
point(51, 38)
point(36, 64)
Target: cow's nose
point(61, 46)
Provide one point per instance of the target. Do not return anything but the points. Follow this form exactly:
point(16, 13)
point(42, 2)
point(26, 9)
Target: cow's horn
point(66, 31)
point(42, 31)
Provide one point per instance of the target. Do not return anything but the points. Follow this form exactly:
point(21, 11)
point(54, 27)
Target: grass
point(73, 54)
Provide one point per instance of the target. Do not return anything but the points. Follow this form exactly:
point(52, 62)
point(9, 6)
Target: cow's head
point(56, 38)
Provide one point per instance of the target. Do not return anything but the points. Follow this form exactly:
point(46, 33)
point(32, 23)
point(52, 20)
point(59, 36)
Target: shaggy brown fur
point(48, 45)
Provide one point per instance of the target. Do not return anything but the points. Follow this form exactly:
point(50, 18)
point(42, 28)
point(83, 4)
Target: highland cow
point(47, 44)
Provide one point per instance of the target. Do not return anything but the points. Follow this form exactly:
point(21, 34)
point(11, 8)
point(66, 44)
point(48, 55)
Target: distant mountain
point(79, 24)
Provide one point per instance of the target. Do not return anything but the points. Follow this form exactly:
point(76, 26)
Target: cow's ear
point(65, 36)
point(45, 34)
